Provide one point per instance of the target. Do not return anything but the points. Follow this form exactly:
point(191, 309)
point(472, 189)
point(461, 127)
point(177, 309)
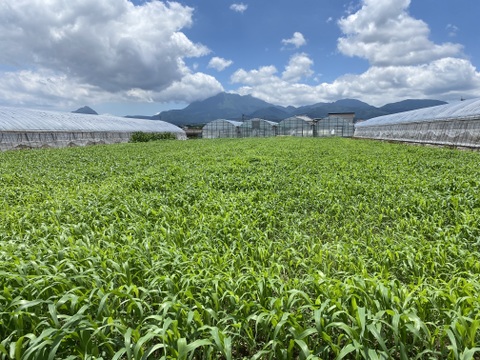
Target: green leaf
point(349, 348)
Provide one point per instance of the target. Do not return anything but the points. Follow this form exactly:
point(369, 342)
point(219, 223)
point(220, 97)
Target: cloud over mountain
point(59, 53)
point(403, 62)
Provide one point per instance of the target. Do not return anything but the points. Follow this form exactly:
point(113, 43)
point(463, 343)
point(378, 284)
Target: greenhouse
point(334, 126)
point(456, 124)
point(221, 128)
point(24, 128)
point(297, 126)
point(258, 128)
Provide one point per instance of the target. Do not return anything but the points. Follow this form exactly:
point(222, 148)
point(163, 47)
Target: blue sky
point(141, 57)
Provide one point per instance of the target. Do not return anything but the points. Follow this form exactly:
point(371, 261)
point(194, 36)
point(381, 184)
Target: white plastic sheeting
point(26, 128)
point(455, 124)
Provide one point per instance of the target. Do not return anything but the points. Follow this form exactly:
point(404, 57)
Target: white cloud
point(255, 77)
point(44, 88)
point(48, 89)
point(89, 48)
point(113, 51)
point(241, 8)
point(296, 40)
point(404, 63)
point(219, 63)
point(385, 34)
point(445, 79)
point(298, 67)
point(452, 30)
point(265, 83)
point(190, 88)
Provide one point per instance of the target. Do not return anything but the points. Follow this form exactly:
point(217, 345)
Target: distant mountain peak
point(221, 106)
point(352, 103)
point(85, 110)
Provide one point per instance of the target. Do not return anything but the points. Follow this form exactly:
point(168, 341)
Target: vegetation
point(275, 248)
point(140, 136)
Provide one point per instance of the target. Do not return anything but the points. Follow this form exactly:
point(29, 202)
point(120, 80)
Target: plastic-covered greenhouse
point(334, 126)
point(25, 128)
point(258, 128)
point(297, 126)
point(221, 128)
point(455, 124)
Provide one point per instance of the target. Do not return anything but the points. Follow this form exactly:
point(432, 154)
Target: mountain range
point(238, 107)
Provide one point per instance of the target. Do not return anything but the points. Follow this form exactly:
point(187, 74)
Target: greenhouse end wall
point(296, 127)
point(258, 128)
point(453, 132)
point(333, 126)
point(288, 127)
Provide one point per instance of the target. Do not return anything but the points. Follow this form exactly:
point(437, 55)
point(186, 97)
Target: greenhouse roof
point(333, 120)
point(234, 123)
point(273, 123)
point(299, 117)
point(458, 110)
point(18, 119)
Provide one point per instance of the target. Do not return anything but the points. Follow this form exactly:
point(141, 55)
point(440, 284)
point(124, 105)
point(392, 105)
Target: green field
point(277, 248)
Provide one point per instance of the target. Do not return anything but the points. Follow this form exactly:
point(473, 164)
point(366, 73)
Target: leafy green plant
point(139, 136)
point(275, 248)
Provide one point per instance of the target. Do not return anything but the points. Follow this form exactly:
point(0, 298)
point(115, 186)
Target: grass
point(276, 248)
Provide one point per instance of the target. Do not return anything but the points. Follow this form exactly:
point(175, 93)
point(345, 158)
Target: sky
point(138, 57)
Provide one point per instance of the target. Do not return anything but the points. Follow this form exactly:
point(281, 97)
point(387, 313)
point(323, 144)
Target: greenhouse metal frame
point(297, 126)
point(334, 126)
point(221, 128)
point(455, 124)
